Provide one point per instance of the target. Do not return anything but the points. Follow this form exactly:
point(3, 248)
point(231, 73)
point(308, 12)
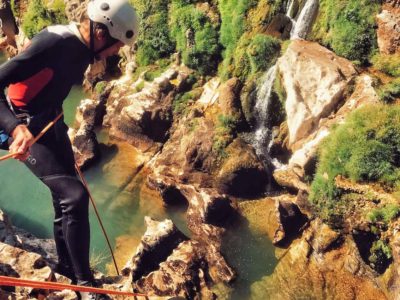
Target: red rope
point(11, 281)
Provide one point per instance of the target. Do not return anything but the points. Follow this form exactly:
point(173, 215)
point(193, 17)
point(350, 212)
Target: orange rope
point(44, 130)
point(10, 281)
point(98, 216)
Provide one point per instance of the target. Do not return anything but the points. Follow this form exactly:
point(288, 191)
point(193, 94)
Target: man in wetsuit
point(38, 81)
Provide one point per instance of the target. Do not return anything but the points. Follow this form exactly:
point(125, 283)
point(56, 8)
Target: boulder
point(315, 81)
point(389, 28)
point(158, 242)
point(363, 94)
point(183, 274)
point(242, 173)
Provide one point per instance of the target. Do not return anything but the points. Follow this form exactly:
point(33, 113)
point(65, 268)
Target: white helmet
point(119, 17)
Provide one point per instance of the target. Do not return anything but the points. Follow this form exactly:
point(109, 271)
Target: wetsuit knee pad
point(70, 192)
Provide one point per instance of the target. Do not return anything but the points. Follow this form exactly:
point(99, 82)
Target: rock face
point(389, 28)
point(158, 242)
point(315, 81)
point(304, 157)
point(318, 265)
point(89, 115)
point(142, 118)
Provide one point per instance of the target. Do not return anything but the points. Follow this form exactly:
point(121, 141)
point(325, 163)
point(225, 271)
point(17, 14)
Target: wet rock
point(315, 81)
point(158, 242)
point(303, 273)
point(242, 173)
point(290, 221)
point(389, 29)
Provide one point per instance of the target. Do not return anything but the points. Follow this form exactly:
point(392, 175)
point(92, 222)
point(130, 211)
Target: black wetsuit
point(38, 81)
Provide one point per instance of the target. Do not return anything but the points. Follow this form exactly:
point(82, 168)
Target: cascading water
point(304, 20)
point(301, 25)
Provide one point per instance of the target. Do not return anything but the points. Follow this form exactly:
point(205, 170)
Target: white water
point(301, 25)
point(304, 21)
point(263, 133)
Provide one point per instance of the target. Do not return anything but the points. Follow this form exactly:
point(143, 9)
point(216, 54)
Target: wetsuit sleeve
point(21, 67)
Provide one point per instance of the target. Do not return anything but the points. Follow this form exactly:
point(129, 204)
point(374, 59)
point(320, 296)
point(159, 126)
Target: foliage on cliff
point(365, 149)
point(348, 27)
point(39, 15)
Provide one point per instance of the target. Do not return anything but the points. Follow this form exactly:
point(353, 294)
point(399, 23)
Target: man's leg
point(72, 233)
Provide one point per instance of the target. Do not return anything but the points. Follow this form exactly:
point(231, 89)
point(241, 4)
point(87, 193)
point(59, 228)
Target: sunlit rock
point(315, 80)
point(388, 32)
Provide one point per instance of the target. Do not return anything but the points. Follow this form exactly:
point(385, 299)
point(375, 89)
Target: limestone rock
point(289, 179)
point(242, 173)
point(142, 118)
point(290, 221)
point(158, 242)
point(315, 81)
point(183, 274)
point(364, 94)
point(389, 29)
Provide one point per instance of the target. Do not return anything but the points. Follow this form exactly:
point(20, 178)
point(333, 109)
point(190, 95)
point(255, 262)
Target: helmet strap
point(92, 41)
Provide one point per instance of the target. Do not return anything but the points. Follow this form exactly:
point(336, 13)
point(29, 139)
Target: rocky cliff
point(315, 84)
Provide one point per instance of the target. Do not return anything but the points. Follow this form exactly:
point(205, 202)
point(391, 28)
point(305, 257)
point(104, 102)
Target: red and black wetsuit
point(38, 81)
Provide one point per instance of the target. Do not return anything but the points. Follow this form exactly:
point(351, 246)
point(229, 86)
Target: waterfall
point(262, 140)
point(262, 135)
point(304, 21)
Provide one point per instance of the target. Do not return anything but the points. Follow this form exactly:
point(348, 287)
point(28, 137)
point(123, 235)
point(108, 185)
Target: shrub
point(381, 256)
point(389, 64)
point(153, 41)
point(390, 92)
point(224, 134)
point(39, 16)
point(348, 27)
point(195, 37)
point(365, 148)
point(384, 214)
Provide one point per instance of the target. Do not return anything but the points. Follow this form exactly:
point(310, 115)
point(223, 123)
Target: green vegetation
point(39, 16)
point(224, 134)
point(388, 93)
point(365, 148)
point(380, 255)
point(195, 36)
point(348, 27)
point(100, 87)
point(389, 64)
point(182, 101)
point(384, 214)
point(139, 87)
point(153, 41)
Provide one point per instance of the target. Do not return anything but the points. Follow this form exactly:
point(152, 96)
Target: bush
point(224, 134)
point(380, 256)
point(365, 148)
point(389, 64)
point(390, 92)
point(348, 27)
point(195, 37)
point(39, 16)
point(153, 42)
point(384, 214)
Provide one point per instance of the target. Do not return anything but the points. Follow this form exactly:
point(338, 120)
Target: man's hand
point(22, 140)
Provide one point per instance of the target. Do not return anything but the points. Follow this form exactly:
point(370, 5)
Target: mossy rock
point(242, 173)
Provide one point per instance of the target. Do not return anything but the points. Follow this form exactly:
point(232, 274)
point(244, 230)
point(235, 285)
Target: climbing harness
point(97, 215)
point(56, 286)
